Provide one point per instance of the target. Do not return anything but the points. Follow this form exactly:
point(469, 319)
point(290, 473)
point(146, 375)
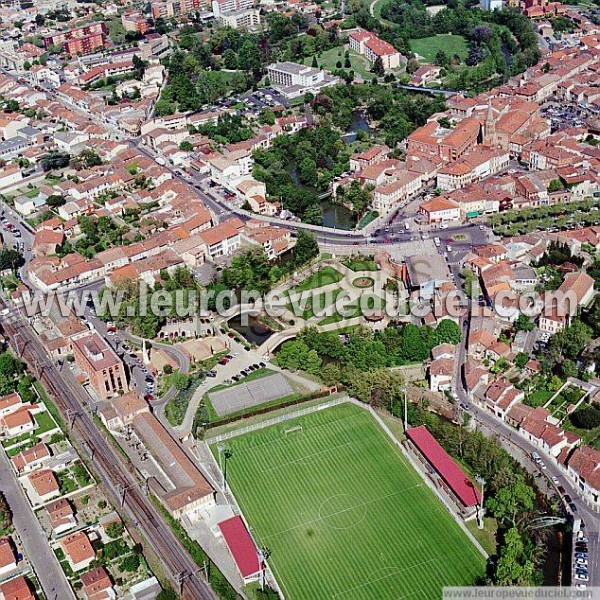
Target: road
point(521, 449)
point(72, 400)
point(35, 543)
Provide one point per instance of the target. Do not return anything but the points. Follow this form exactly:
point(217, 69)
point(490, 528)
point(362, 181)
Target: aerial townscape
point(299, 299)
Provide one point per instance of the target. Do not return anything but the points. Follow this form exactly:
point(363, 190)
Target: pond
point(359, 123)
point(337, 216)
point(255, 332)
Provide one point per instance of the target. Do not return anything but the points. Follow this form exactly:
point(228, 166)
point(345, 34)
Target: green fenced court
point(343, 513)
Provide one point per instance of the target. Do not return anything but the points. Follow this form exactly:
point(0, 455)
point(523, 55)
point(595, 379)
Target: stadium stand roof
point(449, 471)
point(241, 546)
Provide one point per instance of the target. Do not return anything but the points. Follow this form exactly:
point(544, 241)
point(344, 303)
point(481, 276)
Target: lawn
point(428, 47)
point(343, 513)
point(45, 423)
point(329, 59)
point(322, 277)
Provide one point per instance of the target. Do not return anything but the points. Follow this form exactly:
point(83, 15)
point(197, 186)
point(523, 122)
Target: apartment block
point(102, 366)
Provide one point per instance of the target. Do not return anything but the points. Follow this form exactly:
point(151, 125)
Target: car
point(223, 361)
point(437, 242)
point(543, 465)
point(482, 227)
point(535, 456)
point(581, 576)
point(262, 364)
point(554, 479)
point(443, 226)
point(448, 248)
point(581, 548)
point(581, 586)
point(244, 372)
point(148, 397)
point(110, 332)
point(582, 561)
point(581, 554)
point(132, 355)
point(568, 499)
point(235, 378)
point(573, 507)
point(211, 374)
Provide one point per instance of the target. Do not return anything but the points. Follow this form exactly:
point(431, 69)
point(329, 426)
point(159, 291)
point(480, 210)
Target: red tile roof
point(241, 545)
point(441, 461)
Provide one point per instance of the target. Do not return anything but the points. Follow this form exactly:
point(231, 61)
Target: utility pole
point(71, 416)
point(122, 489)
point(181, 577)
point(405, 410)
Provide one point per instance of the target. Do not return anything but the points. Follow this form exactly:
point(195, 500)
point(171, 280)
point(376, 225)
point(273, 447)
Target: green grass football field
point(343, 513)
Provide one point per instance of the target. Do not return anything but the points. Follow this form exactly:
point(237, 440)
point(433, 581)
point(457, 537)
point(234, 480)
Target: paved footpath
point(36, 545)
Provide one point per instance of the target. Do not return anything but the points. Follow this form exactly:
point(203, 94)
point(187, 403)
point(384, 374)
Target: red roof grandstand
point(444, 465)
point(241, 546)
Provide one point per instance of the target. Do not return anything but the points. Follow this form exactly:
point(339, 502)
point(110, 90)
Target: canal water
point(254, 332)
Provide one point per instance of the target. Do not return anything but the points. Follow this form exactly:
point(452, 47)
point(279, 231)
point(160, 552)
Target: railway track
point(109, 465)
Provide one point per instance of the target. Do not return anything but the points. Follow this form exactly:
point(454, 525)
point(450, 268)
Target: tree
point(293, 355)
point(330, 374)
point(115, 529)
point(555, 186)
point(586, 417)
point(524, 323)
point(379, 387)
point(441, 58)
point(378, 67)
point(181, 381)
point(306, 248)
point(521, 360)
point(167, 594)
point(447, 332)
point(55, 200)
point(11, 259)
point(186, 146)
point(570, 342)
point(130, 563)
point(513, 567)
point(510, 502)
point(314, 64)
point(445, 122)
point(313, 363)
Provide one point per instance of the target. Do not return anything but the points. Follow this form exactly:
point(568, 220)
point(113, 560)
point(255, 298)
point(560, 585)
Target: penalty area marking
point(394, 572)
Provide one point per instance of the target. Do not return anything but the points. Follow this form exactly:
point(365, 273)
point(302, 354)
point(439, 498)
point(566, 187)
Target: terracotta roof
point(44, 482)
point(77, 546)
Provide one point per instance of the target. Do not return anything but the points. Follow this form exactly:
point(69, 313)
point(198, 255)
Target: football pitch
point(343, 513)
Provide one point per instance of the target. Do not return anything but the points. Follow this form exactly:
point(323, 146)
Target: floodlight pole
point(480, 523)
point(405, 411)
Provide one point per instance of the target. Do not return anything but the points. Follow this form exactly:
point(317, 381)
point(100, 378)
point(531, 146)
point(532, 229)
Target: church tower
point(489, 128)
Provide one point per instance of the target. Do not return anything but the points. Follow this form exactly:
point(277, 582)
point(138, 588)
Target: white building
point(294, 80)
point(491, 4)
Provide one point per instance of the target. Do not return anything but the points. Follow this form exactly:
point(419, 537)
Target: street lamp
point(481, 482)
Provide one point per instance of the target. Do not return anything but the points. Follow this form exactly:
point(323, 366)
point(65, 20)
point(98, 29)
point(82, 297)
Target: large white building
point(238, 14)
point(294, 80)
